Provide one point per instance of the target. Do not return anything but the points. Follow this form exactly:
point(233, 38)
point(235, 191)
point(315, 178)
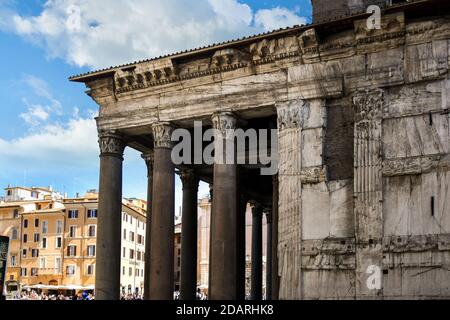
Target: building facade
point(53, 242)
point(363, 132)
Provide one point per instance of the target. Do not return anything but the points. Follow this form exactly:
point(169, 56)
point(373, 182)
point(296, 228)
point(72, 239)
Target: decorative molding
point(111, 143)
point(414, 166)
point(162, 135)
point(313, 175)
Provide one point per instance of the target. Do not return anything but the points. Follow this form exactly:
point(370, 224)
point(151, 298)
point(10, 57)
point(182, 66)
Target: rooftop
point(246, 40)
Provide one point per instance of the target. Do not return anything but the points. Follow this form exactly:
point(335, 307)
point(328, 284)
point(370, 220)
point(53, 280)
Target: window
point(138, 256)
point(36, 237)
point(59, 227)
point(90, 270)
point(131, 219)
point(25, 238)
point(91, 251)
point(124, 234)
point(42, 263)
point(9, 193)
point(23, 272)
point(44, 227)
point(35, 253)
point(73, 214)
point(34, 272)
point(58, 243)
point(25, 223)
point(16, 213)
point(34, 194)
point(72, 231)
point(39, 206)
point(91, 231)
point(13, 260)
point(44, 243)
point(14, 234)
point(124, 252)
point(70, 270)
point(92, 213)
point(139, 224)
point(72, 251)
point(123, 270)
point(139, 239)
point(131, 236)
point(36, 223)
point(50, 206)
point(131, 254)
point(24, 253)
point(58, 265)
point(130, 271)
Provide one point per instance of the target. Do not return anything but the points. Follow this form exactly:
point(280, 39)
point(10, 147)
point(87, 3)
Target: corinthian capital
point(162, 135)
point(149, 159)
point(290, 114)
point(189, 178)
point(225, 123)
point(111, 143)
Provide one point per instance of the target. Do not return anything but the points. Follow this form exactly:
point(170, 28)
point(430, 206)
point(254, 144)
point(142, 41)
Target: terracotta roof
point(85, 76)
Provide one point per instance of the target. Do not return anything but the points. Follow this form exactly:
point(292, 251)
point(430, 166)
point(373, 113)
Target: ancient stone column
point(188, 283)
point(290, 195)
point(269, 256)
point(368, 189)
point(275, 278)
point(257, 215)
point(163, 216)
point(224, 213)
point(149, 161)
point(107, 275)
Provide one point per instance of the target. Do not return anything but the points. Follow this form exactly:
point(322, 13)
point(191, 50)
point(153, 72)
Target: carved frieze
point(111, 143)
point(229, 59)
point(412, 166)
point(162, 135)
point(309, 43)
point(145, 75)
point(313, 175)
point(269, 50)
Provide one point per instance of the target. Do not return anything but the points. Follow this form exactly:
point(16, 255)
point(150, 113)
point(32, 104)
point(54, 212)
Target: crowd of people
point(34, 295)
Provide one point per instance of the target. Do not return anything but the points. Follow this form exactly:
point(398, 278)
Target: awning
point(68, 287)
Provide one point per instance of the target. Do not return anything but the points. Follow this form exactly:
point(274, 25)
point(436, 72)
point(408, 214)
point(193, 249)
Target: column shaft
point(107, 275)
point(256, 293)
point(188, 283)
point(269, 257)
point(163, 217)
point(149, 159)
point(241, 248)
point(223, 219)
point(275, 278)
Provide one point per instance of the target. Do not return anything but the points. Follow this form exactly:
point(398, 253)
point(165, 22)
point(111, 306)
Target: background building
point(53, 240)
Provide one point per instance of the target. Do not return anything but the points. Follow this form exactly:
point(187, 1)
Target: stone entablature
point(275, 70)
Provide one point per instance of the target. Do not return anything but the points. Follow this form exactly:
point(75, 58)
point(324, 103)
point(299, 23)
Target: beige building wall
point(53, 242)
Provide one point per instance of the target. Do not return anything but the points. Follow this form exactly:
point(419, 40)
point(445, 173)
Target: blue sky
point(47, 131)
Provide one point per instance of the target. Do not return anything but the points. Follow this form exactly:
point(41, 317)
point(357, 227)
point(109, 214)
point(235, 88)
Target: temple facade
point(360, 206)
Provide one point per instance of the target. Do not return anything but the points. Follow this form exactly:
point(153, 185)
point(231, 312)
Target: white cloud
point(54, 146)
point(113, 32)
point(277, 18)
point(35, 115)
